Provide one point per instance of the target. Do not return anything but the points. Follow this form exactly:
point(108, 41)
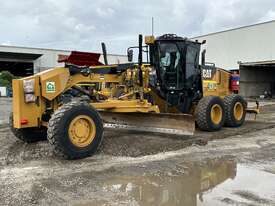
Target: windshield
point(170, 66)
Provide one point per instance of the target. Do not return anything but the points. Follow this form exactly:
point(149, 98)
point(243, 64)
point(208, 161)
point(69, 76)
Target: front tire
point(209, 113)
point(75, 130)
point(235, 110)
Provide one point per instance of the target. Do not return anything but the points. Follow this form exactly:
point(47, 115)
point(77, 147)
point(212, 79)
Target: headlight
point(29, 90)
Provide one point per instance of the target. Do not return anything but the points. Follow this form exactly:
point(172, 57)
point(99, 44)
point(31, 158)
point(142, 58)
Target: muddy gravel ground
point(229, 167)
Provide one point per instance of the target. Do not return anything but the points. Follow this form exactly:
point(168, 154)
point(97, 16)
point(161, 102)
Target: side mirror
point(130, 55)
point(203, 41)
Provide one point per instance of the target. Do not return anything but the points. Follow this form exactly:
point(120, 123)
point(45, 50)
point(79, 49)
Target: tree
point(6, 78)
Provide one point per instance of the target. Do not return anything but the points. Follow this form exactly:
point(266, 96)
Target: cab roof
point(174, 37)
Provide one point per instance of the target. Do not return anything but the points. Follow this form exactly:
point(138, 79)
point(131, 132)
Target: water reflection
point(186, 188)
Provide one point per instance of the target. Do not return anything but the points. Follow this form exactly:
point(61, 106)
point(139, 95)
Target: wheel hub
point(216, 114)
point(238, 111)
point(82, 131)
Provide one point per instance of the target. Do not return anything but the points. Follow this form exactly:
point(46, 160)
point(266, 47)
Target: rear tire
point(210, 114)
point(30, 134)
point(235, 110)
point(75, 130)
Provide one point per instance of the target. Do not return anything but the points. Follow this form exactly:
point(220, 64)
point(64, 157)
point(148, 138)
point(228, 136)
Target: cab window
point(170, 66)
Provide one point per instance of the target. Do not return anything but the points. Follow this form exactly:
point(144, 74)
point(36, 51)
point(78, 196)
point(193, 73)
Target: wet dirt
point(236, 167)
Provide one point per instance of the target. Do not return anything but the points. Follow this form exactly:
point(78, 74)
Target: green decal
point(50, 87)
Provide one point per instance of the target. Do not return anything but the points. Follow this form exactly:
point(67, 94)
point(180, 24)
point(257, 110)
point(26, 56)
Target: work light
point(29, 90)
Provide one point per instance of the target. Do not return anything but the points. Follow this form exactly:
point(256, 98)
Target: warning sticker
point(50, 87)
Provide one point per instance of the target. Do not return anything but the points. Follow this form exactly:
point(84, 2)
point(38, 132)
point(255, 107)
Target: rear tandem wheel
point(235, 110)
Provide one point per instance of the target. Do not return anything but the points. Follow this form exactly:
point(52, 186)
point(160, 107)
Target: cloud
point(106, 12)
point(83, 24)
point(270, 15)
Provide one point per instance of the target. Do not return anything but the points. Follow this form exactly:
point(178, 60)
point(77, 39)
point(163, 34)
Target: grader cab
point(168, 93)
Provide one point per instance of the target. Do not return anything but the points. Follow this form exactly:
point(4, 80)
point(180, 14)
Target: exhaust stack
point(104, 53)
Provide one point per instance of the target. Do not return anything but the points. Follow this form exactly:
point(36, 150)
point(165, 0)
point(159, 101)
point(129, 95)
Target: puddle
point(215, 182)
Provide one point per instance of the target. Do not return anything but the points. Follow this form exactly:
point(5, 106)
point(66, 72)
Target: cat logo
point(208, 73)
point(50, 87)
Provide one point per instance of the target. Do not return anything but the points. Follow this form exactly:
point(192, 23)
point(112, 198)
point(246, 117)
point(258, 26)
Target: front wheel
point(209, 113)
point(235, 110)
point(75, 130)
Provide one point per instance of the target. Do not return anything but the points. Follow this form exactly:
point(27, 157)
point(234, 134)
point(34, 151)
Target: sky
point(83, 24)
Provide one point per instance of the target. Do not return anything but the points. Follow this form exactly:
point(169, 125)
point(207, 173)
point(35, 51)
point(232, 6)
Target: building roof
point(48, 49)
point(259, 63)
point(232, 29)
point(21, 55)
point(33, 48)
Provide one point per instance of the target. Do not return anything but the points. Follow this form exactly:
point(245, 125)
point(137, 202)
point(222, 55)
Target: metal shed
point(252, 43)
point(251, 49)
point(24, 61)
point(257, 78)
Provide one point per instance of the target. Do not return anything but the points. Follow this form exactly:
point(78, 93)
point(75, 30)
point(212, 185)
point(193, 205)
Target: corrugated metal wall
point(247, 44)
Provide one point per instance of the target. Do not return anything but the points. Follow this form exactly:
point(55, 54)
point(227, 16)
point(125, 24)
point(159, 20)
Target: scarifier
point(168, 93)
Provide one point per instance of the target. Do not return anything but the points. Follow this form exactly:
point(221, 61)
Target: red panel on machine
point(235, 82)
point(81, 58)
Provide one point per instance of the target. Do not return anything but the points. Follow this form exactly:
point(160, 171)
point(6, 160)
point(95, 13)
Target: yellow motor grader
point(168, 93)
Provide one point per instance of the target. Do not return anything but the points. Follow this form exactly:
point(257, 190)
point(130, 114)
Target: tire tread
point(54, 131)
point(228, 101)
point(201, 116)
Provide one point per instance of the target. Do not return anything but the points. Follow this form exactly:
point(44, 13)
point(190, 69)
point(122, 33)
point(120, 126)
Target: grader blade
point(180, 124)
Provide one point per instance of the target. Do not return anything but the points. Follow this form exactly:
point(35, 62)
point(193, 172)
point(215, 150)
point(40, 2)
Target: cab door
point(170, 66)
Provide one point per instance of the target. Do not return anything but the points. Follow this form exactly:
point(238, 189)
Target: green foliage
point(6, 79)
